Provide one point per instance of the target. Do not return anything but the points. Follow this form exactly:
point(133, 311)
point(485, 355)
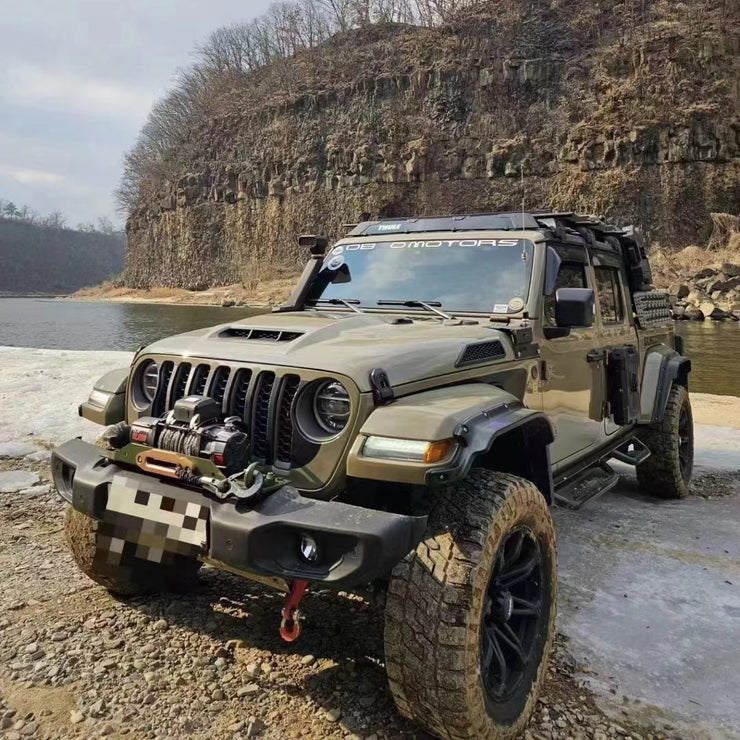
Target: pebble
point(253, 669)
point(75, 716)
point(307, 659)
point(333, 715)
point(255, 727)
point(161, 625)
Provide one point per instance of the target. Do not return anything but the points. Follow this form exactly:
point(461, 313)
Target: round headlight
point(149, 380)
point(331, 406)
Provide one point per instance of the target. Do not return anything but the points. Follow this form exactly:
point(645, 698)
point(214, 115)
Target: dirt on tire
point(661, 474)
point(435, 605)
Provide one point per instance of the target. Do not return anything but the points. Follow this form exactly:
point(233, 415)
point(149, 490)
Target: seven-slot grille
point(262, 399)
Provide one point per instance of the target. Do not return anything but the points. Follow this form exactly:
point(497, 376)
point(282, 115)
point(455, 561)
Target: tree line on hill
point(54, 220)
point(40, 254)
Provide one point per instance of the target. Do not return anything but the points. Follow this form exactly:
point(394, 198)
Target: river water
point(32, 322)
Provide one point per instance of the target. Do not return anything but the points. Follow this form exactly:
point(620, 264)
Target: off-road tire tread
point(660, 475)
point(431, 627)
point(149, 579)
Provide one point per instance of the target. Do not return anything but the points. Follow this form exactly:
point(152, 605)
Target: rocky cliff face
point(629, 110)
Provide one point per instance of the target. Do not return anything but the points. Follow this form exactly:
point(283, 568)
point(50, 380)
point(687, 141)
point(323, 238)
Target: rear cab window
point(609, 295)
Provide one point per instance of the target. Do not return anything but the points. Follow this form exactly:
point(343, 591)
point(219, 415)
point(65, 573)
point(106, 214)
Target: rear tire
point(667, 472)
point(138, 576)
point(470, 614)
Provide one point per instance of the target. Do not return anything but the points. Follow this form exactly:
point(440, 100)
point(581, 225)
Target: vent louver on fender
point(481, 352)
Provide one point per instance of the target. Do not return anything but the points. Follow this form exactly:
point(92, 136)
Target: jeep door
point(571, 380)
point(614, 321)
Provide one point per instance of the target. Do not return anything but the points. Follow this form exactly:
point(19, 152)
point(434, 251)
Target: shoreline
point(263, 294)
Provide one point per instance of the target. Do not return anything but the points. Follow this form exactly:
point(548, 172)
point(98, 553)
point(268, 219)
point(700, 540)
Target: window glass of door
point(570, 275)
point(611, 306)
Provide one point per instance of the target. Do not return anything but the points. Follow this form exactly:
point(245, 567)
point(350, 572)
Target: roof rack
point(508, 221)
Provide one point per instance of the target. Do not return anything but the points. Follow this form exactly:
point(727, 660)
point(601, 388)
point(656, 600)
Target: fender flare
point(107, 402)
point(663, 367)
point(491, 427)
point(509, 438)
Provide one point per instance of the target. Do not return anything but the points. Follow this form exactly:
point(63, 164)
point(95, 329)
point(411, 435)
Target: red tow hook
point(290, 624)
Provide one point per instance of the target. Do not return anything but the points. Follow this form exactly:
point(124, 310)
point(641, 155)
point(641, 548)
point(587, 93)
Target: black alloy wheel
point(511, 625)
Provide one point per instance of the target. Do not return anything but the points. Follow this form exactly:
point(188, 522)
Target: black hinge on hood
point(382, 390)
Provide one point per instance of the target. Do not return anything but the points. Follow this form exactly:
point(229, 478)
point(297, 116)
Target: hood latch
point(382, 390)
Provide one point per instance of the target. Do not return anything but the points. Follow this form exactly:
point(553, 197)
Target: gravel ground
point(76, 662)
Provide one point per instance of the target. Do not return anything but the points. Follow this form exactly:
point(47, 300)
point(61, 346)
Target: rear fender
point(488, 426)
point(662, 368)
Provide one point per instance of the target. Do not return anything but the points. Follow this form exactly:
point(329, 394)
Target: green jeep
point(399, 427)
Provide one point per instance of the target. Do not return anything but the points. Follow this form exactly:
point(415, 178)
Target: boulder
point(735, 315)
point(730, 269)
point(696, 297)
point(693, 314)
point(712, 311)
point(679, 313)
point(682, 291)
point(723, 285)
point(707, 272)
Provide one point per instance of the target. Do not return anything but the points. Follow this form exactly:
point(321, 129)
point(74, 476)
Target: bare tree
point(55, 220)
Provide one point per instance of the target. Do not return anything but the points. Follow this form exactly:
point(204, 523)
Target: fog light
point(309, 549)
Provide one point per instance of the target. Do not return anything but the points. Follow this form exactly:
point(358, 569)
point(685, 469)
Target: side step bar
point(586, 486)
point(632, 452)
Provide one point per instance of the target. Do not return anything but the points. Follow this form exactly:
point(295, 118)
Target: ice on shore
point(40, 391)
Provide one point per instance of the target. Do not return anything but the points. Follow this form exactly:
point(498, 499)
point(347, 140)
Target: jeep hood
point(407, 348)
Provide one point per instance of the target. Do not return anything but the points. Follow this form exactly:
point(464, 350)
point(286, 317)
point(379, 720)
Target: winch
point(194, 427)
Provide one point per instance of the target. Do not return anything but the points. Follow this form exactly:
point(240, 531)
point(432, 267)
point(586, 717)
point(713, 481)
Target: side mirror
point(574, 307)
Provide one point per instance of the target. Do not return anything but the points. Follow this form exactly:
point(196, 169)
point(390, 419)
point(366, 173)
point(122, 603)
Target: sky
point(77, 80)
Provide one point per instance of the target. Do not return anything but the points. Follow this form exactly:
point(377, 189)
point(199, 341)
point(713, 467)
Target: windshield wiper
point(429, 305)
point(350, 303)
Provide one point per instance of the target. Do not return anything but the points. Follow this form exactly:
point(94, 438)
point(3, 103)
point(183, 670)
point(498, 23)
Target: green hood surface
point(337, 342)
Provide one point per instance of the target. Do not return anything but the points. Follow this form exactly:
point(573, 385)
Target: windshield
point(462, 275)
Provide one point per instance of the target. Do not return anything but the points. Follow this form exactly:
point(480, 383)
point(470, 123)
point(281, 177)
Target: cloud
point(35, 177)
point(68, 91)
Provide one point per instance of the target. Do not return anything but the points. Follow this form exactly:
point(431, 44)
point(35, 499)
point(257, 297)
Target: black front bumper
point(356, 545)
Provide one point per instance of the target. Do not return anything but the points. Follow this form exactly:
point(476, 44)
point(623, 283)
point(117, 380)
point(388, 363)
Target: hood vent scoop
point(481, 352)
point(265, 335)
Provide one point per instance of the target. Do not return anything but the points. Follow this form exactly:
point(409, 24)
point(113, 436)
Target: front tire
point(667, 472)
point(470, 614)
point(137, 576)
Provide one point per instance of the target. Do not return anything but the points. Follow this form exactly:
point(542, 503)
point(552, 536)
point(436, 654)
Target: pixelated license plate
point(157, 526)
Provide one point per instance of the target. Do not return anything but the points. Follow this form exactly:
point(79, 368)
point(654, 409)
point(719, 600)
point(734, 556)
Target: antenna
point(521, 169)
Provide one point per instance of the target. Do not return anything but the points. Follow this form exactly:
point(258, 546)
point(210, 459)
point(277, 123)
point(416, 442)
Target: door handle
point(596, 355)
